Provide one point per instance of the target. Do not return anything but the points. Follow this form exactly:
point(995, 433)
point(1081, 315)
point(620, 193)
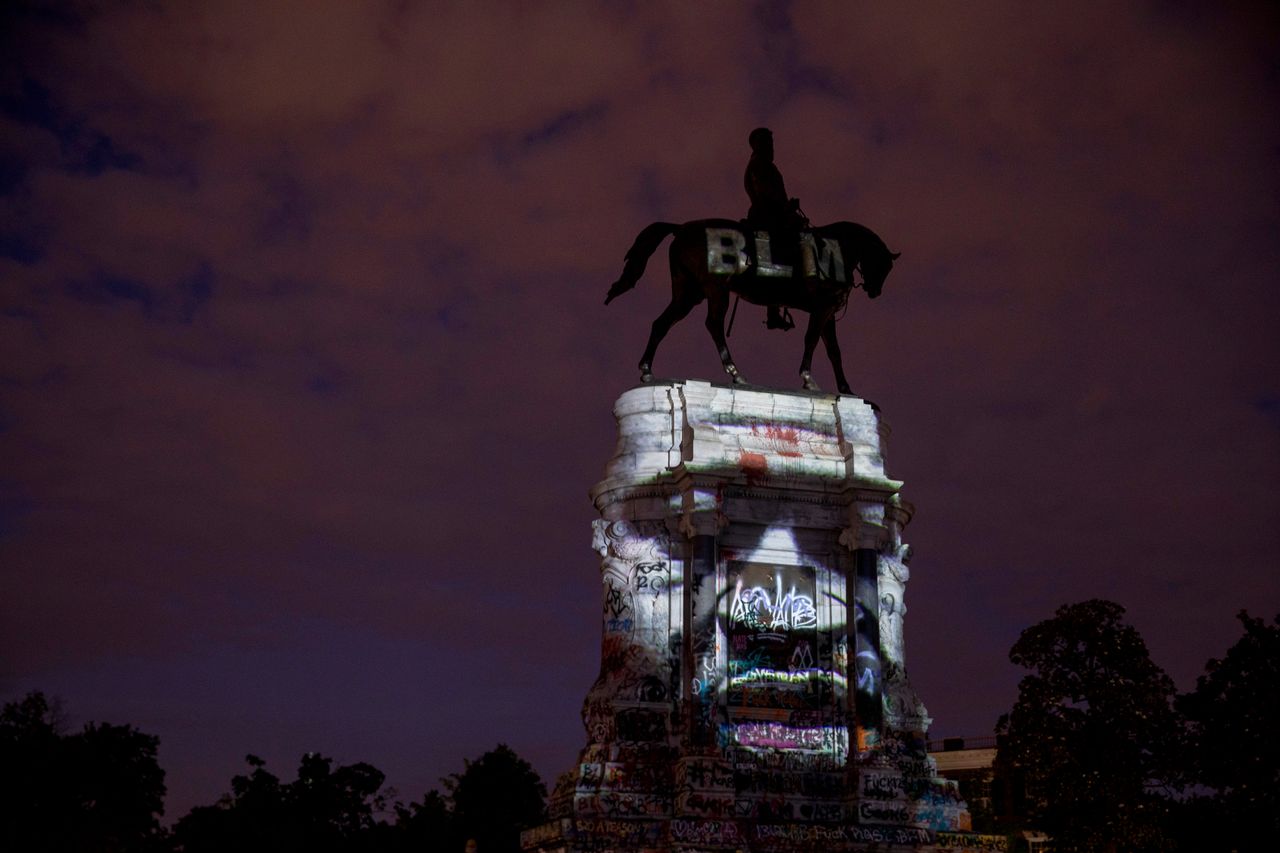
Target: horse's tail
point(638, 255)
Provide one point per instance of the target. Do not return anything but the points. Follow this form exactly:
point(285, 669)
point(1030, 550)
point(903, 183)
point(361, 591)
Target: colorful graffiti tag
point(773, 638)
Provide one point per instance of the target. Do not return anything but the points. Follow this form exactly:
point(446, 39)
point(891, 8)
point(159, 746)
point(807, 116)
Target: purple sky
point(304, 371)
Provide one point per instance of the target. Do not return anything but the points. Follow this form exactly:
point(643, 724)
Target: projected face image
point(773, 638)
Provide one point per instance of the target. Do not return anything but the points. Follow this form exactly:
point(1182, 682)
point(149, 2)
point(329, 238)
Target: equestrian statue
point(773, 258)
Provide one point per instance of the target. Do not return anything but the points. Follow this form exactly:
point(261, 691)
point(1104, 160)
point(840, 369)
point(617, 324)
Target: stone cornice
point(677, 435)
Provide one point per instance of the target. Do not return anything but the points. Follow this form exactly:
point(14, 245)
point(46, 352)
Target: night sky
point(305, 371)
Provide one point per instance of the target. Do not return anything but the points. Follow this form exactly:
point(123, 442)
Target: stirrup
point(782, 320)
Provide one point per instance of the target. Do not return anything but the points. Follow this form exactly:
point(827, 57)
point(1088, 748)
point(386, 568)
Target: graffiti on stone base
point(635, 776)
point(606, 833)
point(650, 578)
point(806, 783)
point(705, 773)
point(617, 602)
point(882, 786)
point(873, 811)
point(640, 724)
point(778, 735)
point(786, 760)
point(590, 774)
point(543, 833)
point(923, 768)
point(715, 833)
point(703, 804)
point(774, 808)
point(966, 841)
point(825, 812)
point(621, 804)
point(767, 808)
point(940, 808)
point(798, 833)
point(774, 611)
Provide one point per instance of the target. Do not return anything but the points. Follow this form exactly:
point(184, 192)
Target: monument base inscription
point(753, 692)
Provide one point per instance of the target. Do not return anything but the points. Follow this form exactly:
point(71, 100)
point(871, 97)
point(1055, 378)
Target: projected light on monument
point(780, 682)
point(752, 690)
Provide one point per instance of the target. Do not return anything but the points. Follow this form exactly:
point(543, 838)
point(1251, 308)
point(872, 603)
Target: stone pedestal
point(752, 692)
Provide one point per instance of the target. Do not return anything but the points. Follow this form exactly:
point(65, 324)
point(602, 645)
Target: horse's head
point(875, 269)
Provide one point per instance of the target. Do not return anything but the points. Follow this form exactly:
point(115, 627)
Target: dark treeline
point(101, 790)
point(1109, 756)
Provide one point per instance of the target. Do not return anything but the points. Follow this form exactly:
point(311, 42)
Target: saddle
point(784, 228)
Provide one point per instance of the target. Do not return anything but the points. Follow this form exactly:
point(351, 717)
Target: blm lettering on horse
point(727, 254)
point(713, 259)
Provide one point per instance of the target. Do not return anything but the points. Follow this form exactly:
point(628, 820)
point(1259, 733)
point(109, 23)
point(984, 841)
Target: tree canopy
point(99, 790)
point(1232, 750)
point(495, 797)
point(322, 810)
point(339, 810)
point(1093, 731)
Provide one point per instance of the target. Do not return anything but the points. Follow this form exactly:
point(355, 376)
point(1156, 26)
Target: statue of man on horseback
point(812, 270)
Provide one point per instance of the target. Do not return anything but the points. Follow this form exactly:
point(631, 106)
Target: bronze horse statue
point(713, 258)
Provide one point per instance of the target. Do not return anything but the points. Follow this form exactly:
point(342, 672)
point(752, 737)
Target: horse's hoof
point(734, 374)
point(809, 384)
point(847, 391)
point(646, 373)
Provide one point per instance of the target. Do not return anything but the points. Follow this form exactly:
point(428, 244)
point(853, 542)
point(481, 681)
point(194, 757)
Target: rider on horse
point(771, 209)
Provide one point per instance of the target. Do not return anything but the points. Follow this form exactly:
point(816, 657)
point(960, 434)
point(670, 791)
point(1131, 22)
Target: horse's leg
point(833, 353)
point(817, 319)
point(717, 308)
point(672, 314)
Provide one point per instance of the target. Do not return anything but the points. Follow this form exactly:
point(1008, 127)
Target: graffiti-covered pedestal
point(752, 690)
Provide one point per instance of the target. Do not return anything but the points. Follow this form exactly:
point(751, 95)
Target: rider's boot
point(778, 320)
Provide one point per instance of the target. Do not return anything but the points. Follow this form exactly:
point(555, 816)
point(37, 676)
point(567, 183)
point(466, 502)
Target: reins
point(855, 285)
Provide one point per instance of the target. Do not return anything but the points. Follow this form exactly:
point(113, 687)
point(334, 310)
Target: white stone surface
point(707, 483)
point(815, 442)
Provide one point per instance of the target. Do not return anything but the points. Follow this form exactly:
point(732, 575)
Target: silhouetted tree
point(1094, 732)
point(252, 817)
point(97, 790)
point(1232, 749)
point(328, 810)
point(427, 827)
point(494, 798)
point(323, 810)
